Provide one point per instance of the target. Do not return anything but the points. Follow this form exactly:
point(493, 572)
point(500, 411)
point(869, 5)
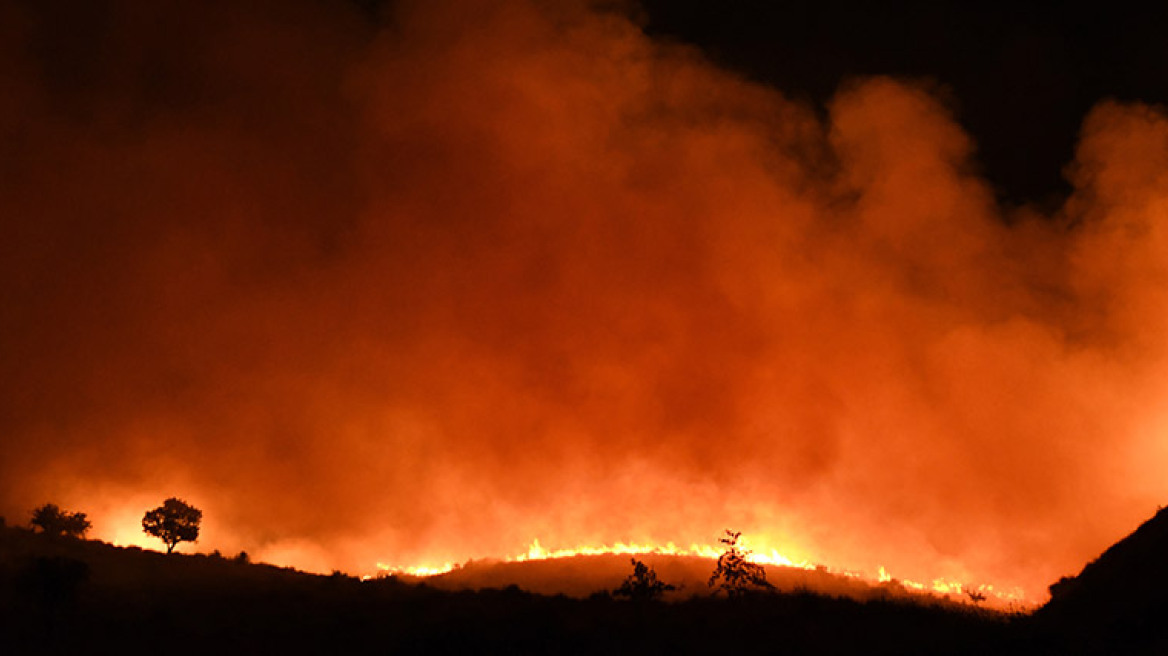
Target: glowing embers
point(977, 593)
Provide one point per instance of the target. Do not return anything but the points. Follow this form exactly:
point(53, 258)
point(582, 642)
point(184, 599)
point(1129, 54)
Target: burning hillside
point(417, 288)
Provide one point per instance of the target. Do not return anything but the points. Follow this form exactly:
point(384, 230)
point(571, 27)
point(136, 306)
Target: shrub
point(51, 520)
point(737, 574)
point(642, 584)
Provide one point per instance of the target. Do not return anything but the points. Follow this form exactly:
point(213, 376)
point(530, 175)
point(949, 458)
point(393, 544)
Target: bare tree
point(737, 574)
point(173, 522)
point(51, 520)
point(642, 584)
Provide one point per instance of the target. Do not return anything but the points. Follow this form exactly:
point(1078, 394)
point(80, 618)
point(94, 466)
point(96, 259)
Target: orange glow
point(1015, 597)
point(128, 533)
point(537, 551)
point(498, 269)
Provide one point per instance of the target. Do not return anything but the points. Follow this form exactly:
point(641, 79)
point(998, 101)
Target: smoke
point(427, 289)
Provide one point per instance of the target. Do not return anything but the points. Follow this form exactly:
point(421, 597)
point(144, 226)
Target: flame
point(416, 570)
point(1010, 596)
point(536, 551)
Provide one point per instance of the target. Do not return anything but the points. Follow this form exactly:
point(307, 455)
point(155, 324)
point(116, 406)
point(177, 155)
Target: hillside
point(71, 596)
point(581, 576)
point(1119, 602)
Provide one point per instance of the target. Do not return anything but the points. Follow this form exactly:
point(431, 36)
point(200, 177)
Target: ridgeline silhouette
point(75, 595)
point(1119, 602)
point(200, 604)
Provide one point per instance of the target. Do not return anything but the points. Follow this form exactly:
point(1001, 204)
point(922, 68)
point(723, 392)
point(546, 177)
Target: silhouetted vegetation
point(51, 520)
point(737, 574)
point(642, 584)
point(173, 522)
point(78, 596)
point(132, 600)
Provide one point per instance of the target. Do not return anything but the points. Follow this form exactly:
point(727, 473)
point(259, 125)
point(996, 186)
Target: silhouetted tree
point(642, 584)
point(737, 573)
point(173, 522)
point(51, 520)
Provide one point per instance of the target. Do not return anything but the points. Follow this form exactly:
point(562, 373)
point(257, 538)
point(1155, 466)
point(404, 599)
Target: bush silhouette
point(173, 522)
point(738, 575)
point(51, 520)
point(642, 584)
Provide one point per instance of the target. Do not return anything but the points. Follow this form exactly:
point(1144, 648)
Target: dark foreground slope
point(1119, 602)
point(68, 596)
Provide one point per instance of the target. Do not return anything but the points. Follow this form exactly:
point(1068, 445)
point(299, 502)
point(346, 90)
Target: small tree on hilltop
point(642, 584)
point(51, 520)
point(737, 573)
point(173, 522)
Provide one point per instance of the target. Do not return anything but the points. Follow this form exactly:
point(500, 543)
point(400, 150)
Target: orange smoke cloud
point(495, 272)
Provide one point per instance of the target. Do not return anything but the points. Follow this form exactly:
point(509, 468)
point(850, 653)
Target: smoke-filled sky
point(423, 282)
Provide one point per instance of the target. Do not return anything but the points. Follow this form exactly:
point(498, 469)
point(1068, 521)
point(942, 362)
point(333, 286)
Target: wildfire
point(537, 551)
point(417, 570)
point(947, 587)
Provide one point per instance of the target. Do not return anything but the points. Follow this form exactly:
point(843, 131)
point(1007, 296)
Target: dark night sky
point(1019, 76)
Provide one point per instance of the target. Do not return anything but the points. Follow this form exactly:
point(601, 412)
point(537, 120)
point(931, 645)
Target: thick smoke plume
point(427, 288)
